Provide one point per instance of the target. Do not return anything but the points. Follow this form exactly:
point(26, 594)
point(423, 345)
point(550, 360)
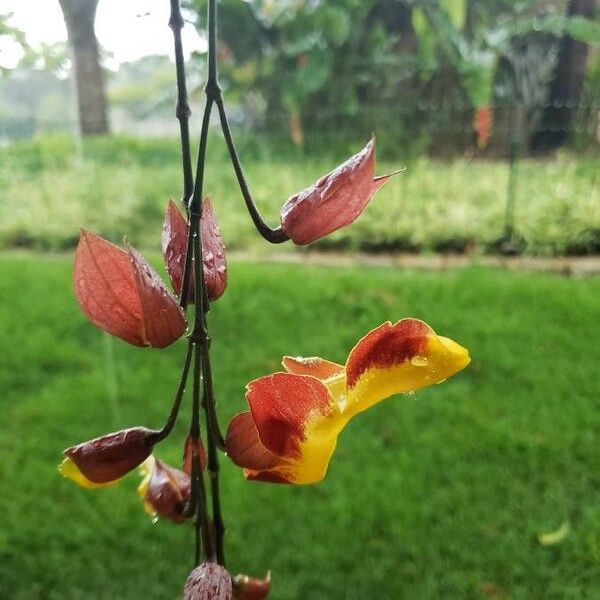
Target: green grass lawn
point(124, 184)
point(437, 495)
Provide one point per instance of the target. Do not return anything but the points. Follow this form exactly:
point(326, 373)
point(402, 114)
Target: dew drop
point(419, 361)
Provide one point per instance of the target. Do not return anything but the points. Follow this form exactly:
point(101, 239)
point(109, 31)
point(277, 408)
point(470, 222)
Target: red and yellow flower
point(295, 418)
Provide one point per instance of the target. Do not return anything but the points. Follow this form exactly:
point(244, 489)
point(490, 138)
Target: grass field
point(440, 495)
point(123, 186)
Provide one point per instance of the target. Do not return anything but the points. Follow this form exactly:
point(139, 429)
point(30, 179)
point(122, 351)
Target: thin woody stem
point(195, 208)
point(168, 427)
point(198, 493)
point(182, 111)
point(213, 472)
point(274, 236)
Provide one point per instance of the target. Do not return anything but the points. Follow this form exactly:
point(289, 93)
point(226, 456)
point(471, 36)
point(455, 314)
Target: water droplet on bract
point(419, 361)
point(154, 520)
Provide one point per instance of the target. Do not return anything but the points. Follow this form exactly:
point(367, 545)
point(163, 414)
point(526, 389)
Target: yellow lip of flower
point(70, 470)
point(291, 432)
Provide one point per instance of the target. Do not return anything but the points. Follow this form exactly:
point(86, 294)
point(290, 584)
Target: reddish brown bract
point(250, 588)
point(335, 201)
point(166, 492)
point(174, 244)
point(209, 581)
point(188, 454)
point(112, 456)
point(122, 294)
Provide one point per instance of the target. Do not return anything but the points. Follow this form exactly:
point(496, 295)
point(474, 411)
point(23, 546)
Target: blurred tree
point(312, 62)
point(8, 30)
point(331, 65)
point(79, 18)
point(567, 84)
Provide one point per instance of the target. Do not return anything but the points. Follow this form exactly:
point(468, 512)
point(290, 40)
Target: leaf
point(457, 11)
point(209, 581)
point(122, 294)
point(336, 200)
point(555, 537)
point(174, 245)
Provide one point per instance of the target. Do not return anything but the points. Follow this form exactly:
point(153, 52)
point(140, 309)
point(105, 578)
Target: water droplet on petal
point(419, 361)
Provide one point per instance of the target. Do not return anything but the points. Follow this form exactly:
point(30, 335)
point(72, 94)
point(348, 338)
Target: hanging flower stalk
point(295, 417)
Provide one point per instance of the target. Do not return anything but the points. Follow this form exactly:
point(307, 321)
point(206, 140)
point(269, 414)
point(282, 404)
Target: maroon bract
point(122, 294)
point(209, 581)
point(174, 244)
point(250, 588)
point(188, 454)
point(336, 200)
point(106, 459)
point(164, 490)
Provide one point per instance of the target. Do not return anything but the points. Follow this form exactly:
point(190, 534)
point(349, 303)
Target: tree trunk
point(566, 86)
point(79, 17)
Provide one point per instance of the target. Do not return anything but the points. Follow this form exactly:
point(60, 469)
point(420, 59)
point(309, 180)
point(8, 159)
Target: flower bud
point(336, 200)
point(209, 581)
point(164, 490)
point(122, 294)
point(174, 246)
point(249, 588)
point(104, 460)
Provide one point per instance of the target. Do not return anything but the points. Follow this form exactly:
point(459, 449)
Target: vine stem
point(182, 112)
point(274, 236)
point(209, 536)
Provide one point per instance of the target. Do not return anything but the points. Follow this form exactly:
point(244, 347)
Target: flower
point(336, 200)
point(295, 418)
point(174, 245)
point(209, 581)
point(104, 460)
point(164, 490)
point(122, 294)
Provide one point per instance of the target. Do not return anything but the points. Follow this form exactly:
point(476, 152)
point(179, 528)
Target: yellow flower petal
point(70, 470)
point(400, 358)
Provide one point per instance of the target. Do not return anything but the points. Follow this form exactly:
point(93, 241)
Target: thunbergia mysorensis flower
point(104, 460)
point(336, 200)
point(208, 581)
point(122, 294)
point(164, 490)
point(174, 242)
point(295, 418)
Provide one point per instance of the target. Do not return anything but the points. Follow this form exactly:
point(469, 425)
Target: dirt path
point(578, 266)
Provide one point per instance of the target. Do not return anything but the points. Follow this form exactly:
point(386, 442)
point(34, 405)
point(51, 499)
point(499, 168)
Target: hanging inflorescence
point(295, 417)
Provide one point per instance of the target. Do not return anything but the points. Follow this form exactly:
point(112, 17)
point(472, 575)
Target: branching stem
point(209, 535)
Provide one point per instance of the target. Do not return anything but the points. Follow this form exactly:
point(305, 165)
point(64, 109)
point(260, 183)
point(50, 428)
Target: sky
point(127, 29)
